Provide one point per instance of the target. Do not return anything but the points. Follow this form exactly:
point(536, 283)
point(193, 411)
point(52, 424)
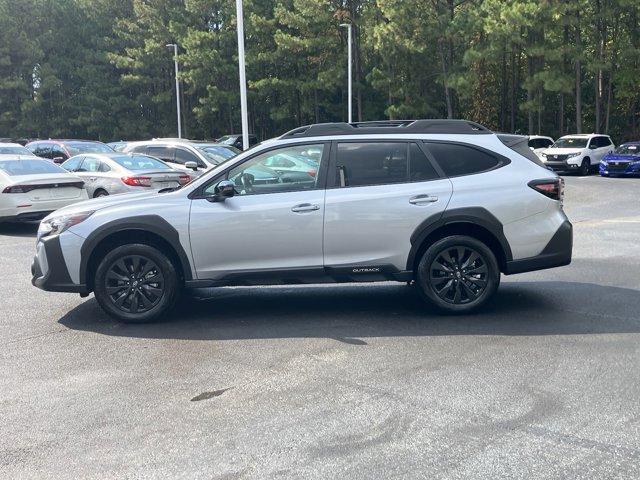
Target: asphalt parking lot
point(356, 381)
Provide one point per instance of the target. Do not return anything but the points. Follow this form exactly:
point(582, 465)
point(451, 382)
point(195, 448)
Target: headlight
point(543, 154)
point(571, 155)
point(57, 225)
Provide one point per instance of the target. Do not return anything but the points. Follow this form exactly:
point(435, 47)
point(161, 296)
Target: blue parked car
point(625, 160)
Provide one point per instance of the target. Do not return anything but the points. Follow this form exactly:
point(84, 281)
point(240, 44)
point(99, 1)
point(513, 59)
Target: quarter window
point(456, 160)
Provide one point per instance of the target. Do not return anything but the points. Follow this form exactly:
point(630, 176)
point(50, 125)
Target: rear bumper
point(49, 271)
point(557, 253)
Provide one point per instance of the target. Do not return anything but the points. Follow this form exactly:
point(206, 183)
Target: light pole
point(243, 79)
point(349, 27)
point(175, 62)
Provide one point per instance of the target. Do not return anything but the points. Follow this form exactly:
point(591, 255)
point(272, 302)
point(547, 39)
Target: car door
point(89, 171)
point(378, 194)
point(606, 147)
point(271, 228)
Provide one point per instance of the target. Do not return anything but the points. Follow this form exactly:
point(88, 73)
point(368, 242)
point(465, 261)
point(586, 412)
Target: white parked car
point(539, 143)
point(32, 188)
point(578, 153)
point(195, 158)
point(15, 149)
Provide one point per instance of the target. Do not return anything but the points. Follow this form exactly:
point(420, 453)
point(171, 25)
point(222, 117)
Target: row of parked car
point(45, 175)
point(584, 153)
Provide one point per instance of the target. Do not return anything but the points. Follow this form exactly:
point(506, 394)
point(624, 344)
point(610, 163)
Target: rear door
point(378, 193)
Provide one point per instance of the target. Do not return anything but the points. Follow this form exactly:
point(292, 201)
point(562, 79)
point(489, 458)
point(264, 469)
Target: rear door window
point(163, 153)
point(73, 164)
point(371, 163)
point(183, 156)
point(456, 159)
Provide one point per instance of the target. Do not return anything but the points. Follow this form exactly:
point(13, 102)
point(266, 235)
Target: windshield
point(570, 142)
point(29, 167)
point(628, 149)
point(140, 162)
point(14, 150)
point(227, 139)
point(220, 152)
point(87, 147)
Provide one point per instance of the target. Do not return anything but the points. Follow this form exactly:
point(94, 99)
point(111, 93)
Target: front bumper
point(557, 253)
point(49, 271)
point(563, 166)
point(619, 168)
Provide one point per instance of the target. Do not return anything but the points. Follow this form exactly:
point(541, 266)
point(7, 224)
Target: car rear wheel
point(585, 167)
point(136, 283)
point(100, 193)
point(458, 274)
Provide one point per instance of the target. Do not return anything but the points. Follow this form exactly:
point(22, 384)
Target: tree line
point(101, 69)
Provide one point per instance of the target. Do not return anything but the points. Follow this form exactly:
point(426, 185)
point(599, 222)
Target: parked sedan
point(111, 173)
point(13, 149)
point(31, 188)
point(61, 150)
point(624, 161)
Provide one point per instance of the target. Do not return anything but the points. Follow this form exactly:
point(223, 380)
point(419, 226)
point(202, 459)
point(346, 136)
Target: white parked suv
point(195, 158)
point(577, 153)
point(446, 204)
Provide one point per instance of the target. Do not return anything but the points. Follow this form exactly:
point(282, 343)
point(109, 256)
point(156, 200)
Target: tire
point(448, 288)
point(130, 266)
point(585, 167)
point(100, 193)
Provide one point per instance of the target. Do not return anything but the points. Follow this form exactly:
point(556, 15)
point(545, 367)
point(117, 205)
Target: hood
point(615, 157)
point(562, 151)
point(104, 202)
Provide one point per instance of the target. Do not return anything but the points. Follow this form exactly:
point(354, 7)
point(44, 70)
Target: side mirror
point(224, 189)
point(191, 165)
point(58, 159)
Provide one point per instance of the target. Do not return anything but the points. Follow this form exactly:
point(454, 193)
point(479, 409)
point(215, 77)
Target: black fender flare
point(468, 215)
point(154, 224)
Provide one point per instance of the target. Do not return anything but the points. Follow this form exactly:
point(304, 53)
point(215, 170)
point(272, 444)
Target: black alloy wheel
point(459, 275)
point(585, 167)
point(134, 284)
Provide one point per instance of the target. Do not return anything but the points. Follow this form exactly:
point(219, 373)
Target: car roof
point(10, 144)
point(585, 135)
point(633, 142)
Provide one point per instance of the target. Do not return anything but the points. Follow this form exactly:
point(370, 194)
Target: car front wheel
point(136, 283)
point(458, 274)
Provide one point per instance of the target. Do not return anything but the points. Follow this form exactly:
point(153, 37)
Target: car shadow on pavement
point(24, 229)
point(376, 310)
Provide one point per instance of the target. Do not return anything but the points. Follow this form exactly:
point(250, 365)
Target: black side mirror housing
point(58, 159)
point(223, 190)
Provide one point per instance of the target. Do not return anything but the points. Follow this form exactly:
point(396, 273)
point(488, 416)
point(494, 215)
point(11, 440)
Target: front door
point(271, 227)
point(383, 190)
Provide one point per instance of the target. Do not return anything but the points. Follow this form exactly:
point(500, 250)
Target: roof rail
point(389, 126)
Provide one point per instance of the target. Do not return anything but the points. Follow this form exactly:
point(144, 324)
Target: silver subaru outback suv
point(445, 204)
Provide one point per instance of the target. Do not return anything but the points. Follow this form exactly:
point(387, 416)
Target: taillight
point(552, 188)
point(137, 181)
point(18, 189)
point(184, 179)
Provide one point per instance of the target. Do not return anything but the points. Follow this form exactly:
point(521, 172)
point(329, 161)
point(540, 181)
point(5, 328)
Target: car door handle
point(93, 179)
point(305, 207)
point(423, 199)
